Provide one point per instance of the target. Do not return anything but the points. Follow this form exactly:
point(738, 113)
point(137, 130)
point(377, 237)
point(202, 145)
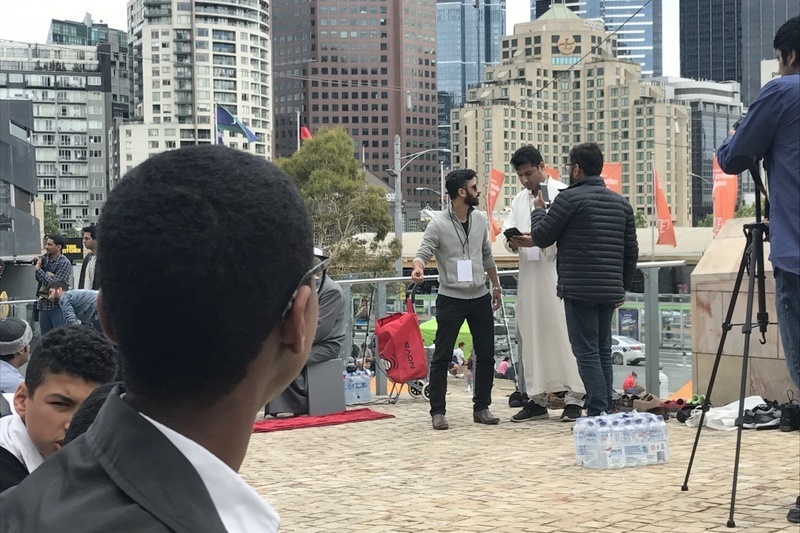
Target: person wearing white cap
point(15, 348)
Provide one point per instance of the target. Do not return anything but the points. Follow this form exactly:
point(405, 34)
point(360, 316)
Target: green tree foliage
point(641, 220)
point(706, 222)
point(342, 205)
point(51, 219)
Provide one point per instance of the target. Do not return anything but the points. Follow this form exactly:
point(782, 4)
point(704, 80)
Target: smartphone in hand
point(512, 232)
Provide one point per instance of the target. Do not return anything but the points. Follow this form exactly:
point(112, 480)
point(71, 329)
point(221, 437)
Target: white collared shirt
point(14, 438)
point(240, 507)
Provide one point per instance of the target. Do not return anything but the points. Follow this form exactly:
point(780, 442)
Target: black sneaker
point(790, 415)
point(517, 399)
point(767, 419)
point(531, 411)
point(571, 413)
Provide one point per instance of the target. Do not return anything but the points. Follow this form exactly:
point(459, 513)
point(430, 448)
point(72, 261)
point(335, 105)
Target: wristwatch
point(497, 289)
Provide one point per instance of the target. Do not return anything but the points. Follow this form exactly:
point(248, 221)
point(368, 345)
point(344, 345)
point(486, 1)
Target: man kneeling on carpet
point(66, 366)
point(210, 328)
point(327, 344)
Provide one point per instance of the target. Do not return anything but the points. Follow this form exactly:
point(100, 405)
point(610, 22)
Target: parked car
point(626, 351)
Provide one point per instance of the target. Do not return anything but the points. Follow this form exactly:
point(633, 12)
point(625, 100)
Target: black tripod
point(752, 261)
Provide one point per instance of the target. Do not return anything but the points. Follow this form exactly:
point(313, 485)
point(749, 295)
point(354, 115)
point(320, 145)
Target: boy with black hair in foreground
point(65, 367)
point(198, 365)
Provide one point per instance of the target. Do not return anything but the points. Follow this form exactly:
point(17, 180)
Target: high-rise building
point(710, 40)
point(369, 69)
point(74, 101)
point(715, 107)
point(638, 25)
point(760, 20)
point(19, 224)
point(83, 33)
point(468, 37)
point(188, 56)
point(543, 93)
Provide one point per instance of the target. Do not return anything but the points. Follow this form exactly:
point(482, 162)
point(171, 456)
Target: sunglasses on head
point(319, 269)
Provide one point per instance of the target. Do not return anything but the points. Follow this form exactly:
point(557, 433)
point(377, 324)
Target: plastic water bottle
point(357, 387)
point(349, 396)
point(579, 436)
point(615, 451)
point(366, 379)
point(591, 458)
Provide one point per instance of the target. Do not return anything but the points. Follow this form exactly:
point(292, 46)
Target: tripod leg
point(756, 253)
point(726, 327)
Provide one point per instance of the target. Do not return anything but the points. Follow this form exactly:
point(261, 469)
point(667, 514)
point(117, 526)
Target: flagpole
point(653, 215)
point(216, 132)
point(298, 130)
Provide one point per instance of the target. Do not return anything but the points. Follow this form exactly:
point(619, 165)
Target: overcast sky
point(29, 20)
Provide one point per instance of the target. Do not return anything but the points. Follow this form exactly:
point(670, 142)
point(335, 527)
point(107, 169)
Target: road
point(672, 361)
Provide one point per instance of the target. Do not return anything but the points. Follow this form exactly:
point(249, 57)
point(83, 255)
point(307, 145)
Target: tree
point(341, 204)
point(50, 216)
point(707, 221)
point(641, 221)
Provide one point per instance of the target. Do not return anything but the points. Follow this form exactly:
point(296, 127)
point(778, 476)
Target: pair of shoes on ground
point(484, 416)
point(794, 513)
point(764, 416)
point(533, 411)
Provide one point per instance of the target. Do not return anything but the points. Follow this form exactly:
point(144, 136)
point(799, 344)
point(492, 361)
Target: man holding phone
point(547, 361)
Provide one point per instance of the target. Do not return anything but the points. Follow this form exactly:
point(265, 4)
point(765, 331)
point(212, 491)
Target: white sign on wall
point(769, 70)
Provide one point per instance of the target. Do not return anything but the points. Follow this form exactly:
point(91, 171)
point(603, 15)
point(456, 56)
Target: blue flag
point(226, 121)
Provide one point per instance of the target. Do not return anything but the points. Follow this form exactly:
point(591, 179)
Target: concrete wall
point(712, 289)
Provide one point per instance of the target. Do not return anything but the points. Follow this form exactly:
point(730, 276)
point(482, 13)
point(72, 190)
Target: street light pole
point(441, 184)
point(398, 204)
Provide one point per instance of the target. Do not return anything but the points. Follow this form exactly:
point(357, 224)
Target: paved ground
point(398, 475)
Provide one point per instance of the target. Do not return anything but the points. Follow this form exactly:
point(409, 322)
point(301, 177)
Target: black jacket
point(596, 235)
point(12, 471)
point(95, 285)
point(123, 474)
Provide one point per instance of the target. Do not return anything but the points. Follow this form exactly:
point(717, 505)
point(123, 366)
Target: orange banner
point(553, 173)
point(495, 183)
point(612, 175)
point(726, 189)
point(666, 231)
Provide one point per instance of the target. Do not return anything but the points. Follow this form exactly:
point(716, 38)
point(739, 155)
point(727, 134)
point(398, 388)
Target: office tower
point(638, 25)
point(544, 94)
point(75, 91)
point(369, 68)
point(710, 40)
point(715, 107)
point(19, 219)
point(188, 56)
point(760, 20)
point(468, 37)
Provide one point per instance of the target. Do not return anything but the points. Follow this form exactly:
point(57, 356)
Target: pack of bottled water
point(621, 440)
point(357, 386)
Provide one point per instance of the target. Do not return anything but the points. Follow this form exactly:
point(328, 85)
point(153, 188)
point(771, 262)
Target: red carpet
point(305, 421)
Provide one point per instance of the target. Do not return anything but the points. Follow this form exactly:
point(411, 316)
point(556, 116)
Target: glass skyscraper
point(468, 38)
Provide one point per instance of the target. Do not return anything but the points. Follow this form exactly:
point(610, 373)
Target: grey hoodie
point(445, 238)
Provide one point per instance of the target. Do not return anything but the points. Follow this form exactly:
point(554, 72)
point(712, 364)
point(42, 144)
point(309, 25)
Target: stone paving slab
point(398, 475)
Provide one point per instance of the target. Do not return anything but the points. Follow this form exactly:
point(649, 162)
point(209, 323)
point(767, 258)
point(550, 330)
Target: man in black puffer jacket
point(597, 253)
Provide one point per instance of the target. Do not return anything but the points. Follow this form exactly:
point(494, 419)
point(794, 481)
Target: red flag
point(305, 134)
point(495, 183)
point(726, 188)
point(553, 173)
point(612, 175)
point(666, 231)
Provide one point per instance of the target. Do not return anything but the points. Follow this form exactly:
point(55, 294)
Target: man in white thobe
point(548, 365)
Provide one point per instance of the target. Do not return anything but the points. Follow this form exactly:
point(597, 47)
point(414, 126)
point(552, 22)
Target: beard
point(472, 201)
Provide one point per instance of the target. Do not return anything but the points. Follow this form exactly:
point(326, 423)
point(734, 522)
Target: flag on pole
point(612, 175)
point(495, 183)
point(553, 173)
point(226, 121)
point(666, 231)
point(726, 188)
point(305, 133)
